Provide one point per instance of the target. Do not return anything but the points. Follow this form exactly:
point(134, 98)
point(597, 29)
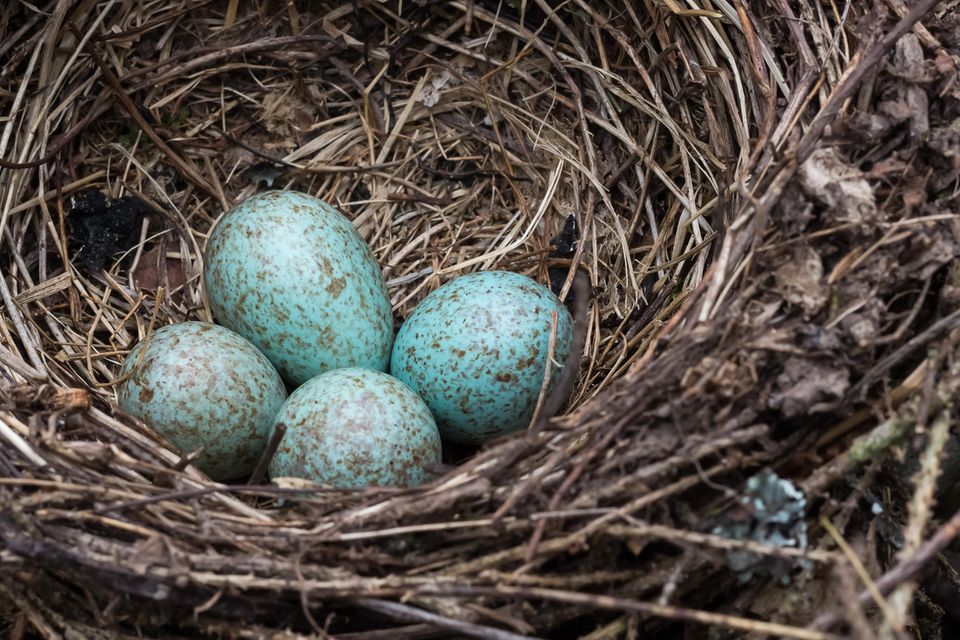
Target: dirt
point(101, 227)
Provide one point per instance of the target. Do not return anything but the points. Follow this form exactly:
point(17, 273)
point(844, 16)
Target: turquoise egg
point(200, 385)
point(476, 351)
point(291, 274)
point(356, 428)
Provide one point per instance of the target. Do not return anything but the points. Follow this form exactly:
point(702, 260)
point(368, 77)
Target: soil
point(101, 227)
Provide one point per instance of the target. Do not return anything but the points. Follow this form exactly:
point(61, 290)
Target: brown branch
point(276, 437)
point(935, 331)
point(907, 569)
point(571, 365)
point(198, 58)
point(407, 613)
point(597, 601)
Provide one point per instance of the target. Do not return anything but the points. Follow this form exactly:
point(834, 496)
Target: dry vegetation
point(766, 202)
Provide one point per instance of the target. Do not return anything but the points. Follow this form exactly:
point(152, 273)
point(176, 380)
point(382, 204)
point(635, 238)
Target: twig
point(595, 448)
point(668, 612)
point(405, 612)
point(571, 365)
point(197, 58)
point(920, 512)
point(907, 569)
point(188, 170)
point(864, 449)
point(861, 571)
point(276, 436)
point(855, 73)
point(100, 105)
point(257, 152)
point(548, 367)
point(35, 617)
point(694, 539)
point(20, 444)
point(935, 331)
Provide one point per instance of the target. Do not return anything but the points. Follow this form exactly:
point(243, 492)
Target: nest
point(762, 201)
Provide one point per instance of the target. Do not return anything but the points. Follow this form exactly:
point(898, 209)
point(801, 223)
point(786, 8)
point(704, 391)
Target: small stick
point(861, 572)
point(21, 445)
point(398, 611)
point(568, 375)
point(188, 459)
point(548, 369)
point(182, 165)
point(906, 569)
point(920, 508)
point(616, 603)
point(935, 331)
point(260, 471)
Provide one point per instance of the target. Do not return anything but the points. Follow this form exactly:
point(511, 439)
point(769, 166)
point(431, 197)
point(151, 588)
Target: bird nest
point(762, 201)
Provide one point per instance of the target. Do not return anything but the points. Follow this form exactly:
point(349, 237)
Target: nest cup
point(626, 154)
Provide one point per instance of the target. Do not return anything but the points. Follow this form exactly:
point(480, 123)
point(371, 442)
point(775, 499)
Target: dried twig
point(404, 612)
point(276, 437)
point(906, 569)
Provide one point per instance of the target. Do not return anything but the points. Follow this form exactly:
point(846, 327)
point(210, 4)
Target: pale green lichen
point(772, 513)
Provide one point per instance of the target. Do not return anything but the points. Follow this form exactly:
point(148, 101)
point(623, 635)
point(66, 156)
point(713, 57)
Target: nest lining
point(477, 180)
point(458, 136)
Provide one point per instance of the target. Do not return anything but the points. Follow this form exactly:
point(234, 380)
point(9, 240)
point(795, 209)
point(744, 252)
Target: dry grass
point(460, 136)
point(451, 151)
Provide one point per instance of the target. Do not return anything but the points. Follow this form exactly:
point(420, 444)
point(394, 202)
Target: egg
point(476, 351)
point(291, 274)
point(201, 385)
point(356, 428)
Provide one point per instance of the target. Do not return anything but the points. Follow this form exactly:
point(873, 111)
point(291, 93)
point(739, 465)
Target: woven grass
point(766, 202)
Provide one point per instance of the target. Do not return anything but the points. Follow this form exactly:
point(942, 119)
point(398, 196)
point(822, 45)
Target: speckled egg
point(355, 428)
point(201, 385)
point(291, 274)
point(476, 351)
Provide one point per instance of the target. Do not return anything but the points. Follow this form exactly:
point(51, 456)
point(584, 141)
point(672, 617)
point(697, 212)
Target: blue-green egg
point(199, 385)
point(476, 351)
point(291, 274)
point(356, 428)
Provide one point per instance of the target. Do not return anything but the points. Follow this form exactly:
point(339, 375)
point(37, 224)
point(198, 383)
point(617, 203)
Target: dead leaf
point(868, 125)
point(806, 387)
point(432, 90)
point(927, 252)
point(909, 102)
point(908, 60)
point(156, 269)
point(862, 327)
point(946, 142)
point(800, 279)
point(910, 105)
point(286, 114)
point(827, 177)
